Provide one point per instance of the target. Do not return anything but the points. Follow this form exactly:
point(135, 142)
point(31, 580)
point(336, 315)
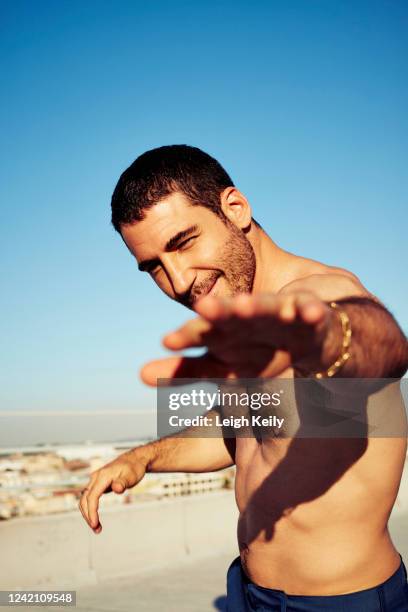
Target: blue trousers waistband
point(245, 596)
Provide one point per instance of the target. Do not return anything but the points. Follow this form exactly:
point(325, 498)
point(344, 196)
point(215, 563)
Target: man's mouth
point(209, 289)
point(212, 290)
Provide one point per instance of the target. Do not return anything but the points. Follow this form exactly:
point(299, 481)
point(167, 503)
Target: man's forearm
point(188, 451)
point(378, 347)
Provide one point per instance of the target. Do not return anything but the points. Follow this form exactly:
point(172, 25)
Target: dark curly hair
point(165, 170)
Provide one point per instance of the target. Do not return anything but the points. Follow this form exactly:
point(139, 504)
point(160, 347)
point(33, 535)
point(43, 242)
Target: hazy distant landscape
point(32, 427)
point(26, 428)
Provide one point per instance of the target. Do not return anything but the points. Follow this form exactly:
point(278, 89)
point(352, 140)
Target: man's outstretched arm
point(262, 335)
point(379, 347)
point(182, 452)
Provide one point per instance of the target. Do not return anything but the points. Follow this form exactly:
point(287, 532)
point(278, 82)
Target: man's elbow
point(397, 360)
point(401, 366)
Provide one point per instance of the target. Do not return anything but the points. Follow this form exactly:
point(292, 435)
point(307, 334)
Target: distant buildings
point(43, 481)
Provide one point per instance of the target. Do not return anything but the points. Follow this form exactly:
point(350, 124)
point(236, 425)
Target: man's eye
point(185, 242)
point(153, 269)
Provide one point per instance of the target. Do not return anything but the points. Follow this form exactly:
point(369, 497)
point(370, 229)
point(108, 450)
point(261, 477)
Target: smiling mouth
point(211, 290)
point(192, 299)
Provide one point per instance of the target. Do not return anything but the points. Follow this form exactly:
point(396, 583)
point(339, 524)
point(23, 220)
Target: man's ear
point(236, 207)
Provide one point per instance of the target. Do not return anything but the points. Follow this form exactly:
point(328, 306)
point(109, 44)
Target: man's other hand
point(117, 476)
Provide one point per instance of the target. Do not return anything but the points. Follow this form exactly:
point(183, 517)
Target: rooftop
point(197, 585)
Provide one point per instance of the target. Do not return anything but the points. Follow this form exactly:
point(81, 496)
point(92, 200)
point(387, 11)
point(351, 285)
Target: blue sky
point(304, 103)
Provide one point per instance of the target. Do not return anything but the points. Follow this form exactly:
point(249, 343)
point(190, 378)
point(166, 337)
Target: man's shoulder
point(329, 282)
point(310, 267)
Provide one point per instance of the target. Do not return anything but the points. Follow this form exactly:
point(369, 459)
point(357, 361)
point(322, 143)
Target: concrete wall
point(60, 551)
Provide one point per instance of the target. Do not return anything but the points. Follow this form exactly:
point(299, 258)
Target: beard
point(236, 263)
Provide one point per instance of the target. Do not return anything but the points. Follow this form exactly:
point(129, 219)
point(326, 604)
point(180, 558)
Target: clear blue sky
point(304, 103)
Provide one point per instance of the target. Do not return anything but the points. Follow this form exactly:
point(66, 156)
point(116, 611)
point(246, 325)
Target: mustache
point(200, 289)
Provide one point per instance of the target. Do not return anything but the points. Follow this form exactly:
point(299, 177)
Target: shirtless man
point(313, 513)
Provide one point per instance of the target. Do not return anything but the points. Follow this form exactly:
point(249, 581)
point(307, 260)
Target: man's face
point(190, 252)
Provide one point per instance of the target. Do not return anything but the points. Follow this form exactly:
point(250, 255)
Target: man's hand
point(117, 476)
point(246, 336)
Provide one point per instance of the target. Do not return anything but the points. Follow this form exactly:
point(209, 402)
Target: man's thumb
point(118, 486)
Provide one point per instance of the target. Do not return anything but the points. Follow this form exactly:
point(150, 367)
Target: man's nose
point(181, 278)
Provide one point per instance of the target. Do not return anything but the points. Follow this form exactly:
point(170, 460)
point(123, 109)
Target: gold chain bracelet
point(345, 352)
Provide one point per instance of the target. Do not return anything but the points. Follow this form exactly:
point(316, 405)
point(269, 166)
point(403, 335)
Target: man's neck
point(275, 267)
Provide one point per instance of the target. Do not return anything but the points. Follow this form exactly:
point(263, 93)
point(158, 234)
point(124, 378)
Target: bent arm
point(186, 451)
point(191, 450)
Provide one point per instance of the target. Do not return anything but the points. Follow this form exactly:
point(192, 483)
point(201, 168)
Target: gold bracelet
point(345, 352)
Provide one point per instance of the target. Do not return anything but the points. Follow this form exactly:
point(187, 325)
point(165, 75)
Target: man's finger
point(191, 334)
point(183, 367)
point(310, 308)
point(81, 501)
point(92, 498)
point(83, 505)
point(214, 308)
point(119, 485)
point(85, 516)
point(270, 305)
